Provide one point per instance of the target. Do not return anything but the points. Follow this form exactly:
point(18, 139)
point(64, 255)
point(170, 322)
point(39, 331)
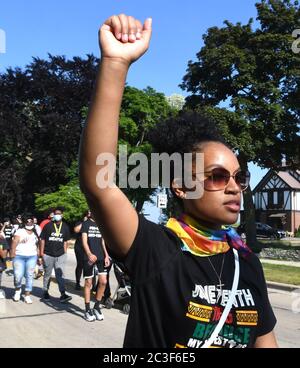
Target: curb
point(284, 287)
point(280, 262)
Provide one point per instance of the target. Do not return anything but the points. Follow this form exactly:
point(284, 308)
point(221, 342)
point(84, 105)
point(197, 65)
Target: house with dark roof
point(277, 199)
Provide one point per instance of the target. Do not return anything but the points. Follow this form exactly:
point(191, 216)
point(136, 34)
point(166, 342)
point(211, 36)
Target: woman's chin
point(230, 219)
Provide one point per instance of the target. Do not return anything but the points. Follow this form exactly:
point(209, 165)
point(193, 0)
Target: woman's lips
point(233, 206)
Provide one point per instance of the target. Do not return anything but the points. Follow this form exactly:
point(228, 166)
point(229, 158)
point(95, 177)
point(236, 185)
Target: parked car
point(263, 231)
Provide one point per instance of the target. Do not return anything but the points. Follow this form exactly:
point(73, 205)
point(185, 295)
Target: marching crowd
point(30, 250)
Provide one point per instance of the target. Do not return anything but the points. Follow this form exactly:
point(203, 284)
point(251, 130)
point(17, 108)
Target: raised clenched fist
point(124, 38)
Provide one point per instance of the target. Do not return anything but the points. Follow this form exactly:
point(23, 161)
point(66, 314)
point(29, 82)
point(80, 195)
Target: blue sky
point(65, 27)
point(34, 28)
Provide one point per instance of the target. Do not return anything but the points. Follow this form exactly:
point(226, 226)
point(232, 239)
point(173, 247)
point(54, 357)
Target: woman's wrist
point(115, 63)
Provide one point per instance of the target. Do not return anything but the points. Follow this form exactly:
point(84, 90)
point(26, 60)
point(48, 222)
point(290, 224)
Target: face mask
point(57, 217)
point(29, 227)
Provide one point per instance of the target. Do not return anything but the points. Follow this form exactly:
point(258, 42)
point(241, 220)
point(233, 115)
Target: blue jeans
point(24, 267)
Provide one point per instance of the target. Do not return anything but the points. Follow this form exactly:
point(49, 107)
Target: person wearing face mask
point(49, 214)
point(24, 251)
point(53, 252)
point(8, 230)
point(37, 226)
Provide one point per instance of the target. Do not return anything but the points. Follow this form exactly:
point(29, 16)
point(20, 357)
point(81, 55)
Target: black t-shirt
point(3, 244)
point(78, 238)
point(8, 231)
point(175, 301)
point(94, 238)
point(54, 241)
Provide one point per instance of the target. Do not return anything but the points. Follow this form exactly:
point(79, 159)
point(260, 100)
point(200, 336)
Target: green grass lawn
point(280, 273)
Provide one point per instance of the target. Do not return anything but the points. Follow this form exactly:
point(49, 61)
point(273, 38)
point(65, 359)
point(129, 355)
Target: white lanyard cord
point(229, 302)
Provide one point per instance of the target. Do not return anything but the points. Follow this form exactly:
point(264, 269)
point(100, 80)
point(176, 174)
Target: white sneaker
point(98, 314)
point(27, 299)
point(89, 316)
point(2, 294)
point(17, 295)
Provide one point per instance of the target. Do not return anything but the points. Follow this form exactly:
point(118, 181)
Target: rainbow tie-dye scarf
point(204, 242)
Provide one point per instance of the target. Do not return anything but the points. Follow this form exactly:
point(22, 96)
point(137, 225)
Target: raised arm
point(123, 40)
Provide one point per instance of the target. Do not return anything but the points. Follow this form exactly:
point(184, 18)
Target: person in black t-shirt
point(96, 260)
point(53, 250)
point(8, 230)
point(182, 274)
point(78, 248)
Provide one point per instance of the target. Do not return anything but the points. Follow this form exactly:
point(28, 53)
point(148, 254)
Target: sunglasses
point(218, 178)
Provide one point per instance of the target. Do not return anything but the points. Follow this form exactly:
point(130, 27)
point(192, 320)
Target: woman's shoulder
point(20, 232)
point(159, 232)
point(252, 264)
point(154, 246)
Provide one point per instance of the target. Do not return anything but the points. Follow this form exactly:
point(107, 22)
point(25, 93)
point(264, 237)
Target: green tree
point(257, 75)
point(140, 111)
point(176, 101)
point(68, 196)
point(42, 109)
point(40, 115)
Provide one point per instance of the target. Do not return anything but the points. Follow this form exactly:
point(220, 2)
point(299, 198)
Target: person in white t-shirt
point(37, 227)
point(24, 252)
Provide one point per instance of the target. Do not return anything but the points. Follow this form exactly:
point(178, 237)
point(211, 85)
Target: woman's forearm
point(101, 131)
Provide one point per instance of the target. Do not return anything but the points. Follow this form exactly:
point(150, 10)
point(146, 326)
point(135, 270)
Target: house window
point(275, 197)
point(270, 199)
point(281, 199)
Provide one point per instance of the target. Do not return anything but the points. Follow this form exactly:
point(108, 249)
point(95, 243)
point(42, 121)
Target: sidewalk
point(278, 262)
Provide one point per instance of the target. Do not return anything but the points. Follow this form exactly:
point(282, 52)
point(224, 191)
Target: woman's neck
point(207, 224)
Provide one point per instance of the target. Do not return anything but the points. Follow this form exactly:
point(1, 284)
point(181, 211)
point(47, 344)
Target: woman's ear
point(177, 188)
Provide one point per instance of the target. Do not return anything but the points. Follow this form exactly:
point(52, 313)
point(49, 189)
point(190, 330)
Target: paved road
point(53, 324)
point(56, 325)
point(286, 306)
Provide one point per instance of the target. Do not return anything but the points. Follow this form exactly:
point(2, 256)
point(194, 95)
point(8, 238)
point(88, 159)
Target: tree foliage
point(68, 196)
point(42, 112)
point(256, 73)
point(40, 116)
